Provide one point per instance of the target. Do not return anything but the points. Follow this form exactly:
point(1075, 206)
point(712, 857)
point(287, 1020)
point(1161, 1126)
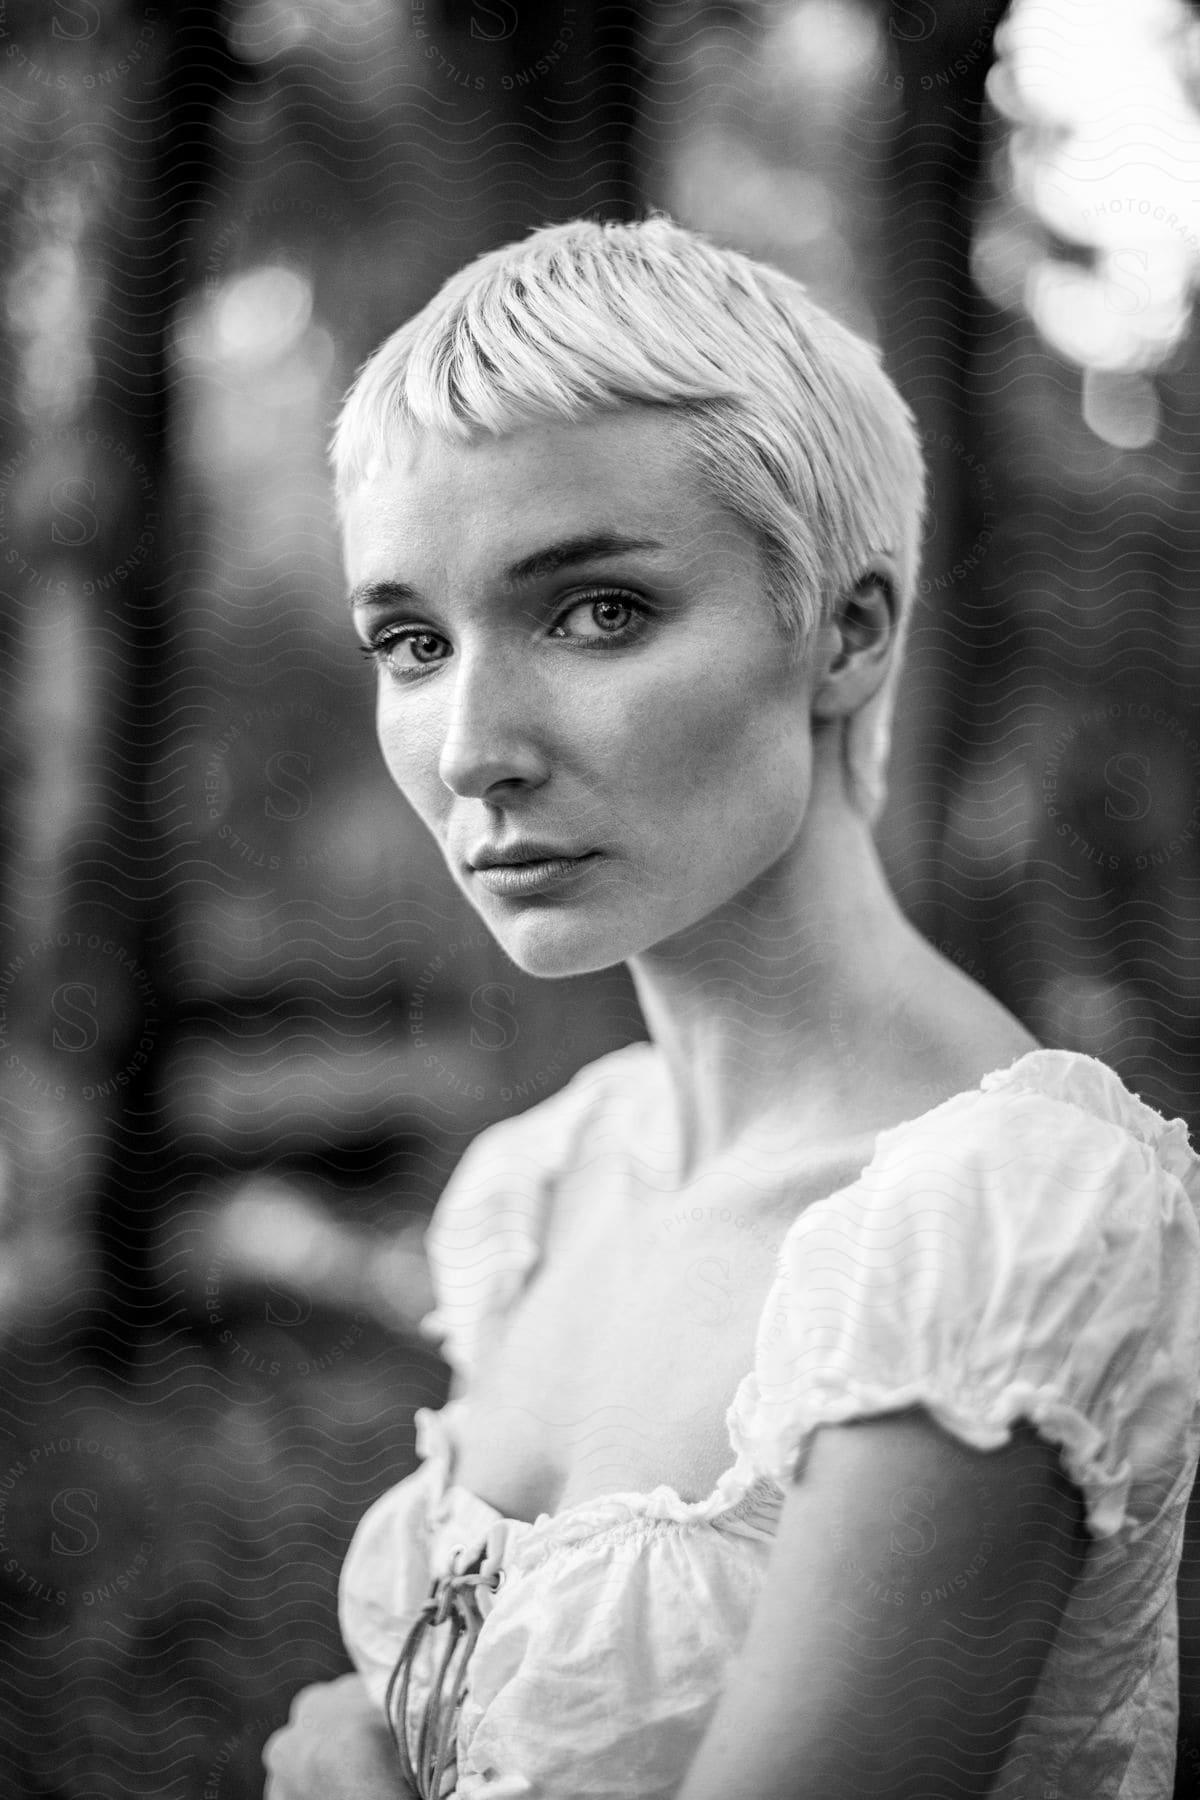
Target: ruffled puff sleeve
point(482, 1241)
point(1015, 1254)
point(485, 1237)
point(384, 1580)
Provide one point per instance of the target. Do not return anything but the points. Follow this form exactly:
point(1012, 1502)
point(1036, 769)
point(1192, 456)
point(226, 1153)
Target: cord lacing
point(452, 1600)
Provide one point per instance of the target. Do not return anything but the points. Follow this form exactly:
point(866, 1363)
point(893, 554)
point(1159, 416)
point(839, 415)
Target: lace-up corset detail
point(430, 1765)
point(1027, 1250)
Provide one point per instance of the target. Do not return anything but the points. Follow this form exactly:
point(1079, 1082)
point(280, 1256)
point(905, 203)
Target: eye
point(602, 606)
point(618, 618)
point(381, 650)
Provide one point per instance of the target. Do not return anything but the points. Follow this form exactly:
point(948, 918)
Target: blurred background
point(247, 1022)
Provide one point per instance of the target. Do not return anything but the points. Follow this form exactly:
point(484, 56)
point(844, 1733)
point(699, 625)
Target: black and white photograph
point(600, 900)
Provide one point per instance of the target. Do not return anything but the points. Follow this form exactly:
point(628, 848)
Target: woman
point(824, 1409)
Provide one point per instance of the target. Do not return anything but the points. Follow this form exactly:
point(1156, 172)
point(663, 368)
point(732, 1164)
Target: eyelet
point(501, 1578)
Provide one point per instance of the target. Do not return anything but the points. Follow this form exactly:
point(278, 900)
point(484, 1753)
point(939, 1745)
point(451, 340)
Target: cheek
point(721, 785)
point(713, 742)
point(410, 755)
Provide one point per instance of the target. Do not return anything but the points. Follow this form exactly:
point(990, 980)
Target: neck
point(746, 1006)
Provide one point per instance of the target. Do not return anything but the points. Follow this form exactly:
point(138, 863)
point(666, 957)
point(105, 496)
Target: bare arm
point(910, 1601)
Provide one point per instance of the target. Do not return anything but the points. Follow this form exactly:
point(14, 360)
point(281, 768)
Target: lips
point(516, 855)
point(515, 879)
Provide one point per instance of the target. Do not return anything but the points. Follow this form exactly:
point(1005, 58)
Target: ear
point(859, 640)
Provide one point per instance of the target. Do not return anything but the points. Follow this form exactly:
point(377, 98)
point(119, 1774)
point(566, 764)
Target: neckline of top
point(1054, 1074)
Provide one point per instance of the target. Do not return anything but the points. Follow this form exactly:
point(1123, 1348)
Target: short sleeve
point(481, 1243)
point(1009, 1256)
point(384, 1579)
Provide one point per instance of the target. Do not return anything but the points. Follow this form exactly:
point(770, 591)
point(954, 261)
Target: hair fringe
point(791, 419)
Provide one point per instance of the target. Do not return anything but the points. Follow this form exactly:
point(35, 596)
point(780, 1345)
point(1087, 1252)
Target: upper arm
point(1188, 1601)
point(1009, 1252)
point(911, 1597)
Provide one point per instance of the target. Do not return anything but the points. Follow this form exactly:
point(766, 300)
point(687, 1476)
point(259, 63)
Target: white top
point(1029, 1249)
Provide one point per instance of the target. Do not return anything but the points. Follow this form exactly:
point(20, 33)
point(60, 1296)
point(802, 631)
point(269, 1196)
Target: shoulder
point(1051, 1157)
point(1029, 1248)
point(932, 1032)
point(1057, 1114)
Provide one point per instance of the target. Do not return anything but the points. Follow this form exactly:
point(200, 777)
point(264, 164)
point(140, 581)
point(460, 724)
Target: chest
point(614, 1369)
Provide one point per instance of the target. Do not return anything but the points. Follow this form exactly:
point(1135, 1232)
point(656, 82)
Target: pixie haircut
point(791, 423)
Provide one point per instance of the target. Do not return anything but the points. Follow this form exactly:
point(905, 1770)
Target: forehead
point(491, 501)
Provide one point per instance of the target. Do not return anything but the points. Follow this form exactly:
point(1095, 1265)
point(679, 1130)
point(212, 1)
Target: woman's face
point(575, 646)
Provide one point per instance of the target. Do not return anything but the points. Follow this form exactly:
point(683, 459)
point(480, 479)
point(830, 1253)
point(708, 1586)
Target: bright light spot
point(1105, 153)
point(269, 1230)
point(47, 308)
point(830, 43)
point(1066, 304)
point(1109, 317)
point(1120, 408)
point(259, 316)
point(1088, 63)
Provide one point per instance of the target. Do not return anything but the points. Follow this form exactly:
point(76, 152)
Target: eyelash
point(380, 647)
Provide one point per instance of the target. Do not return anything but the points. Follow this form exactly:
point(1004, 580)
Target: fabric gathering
point(606, 1629)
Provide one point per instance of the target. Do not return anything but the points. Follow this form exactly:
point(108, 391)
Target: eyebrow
point(593, 547)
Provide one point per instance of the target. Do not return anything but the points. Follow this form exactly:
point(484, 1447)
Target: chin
point(555, 949)
point(554, 941)
point(570, 933)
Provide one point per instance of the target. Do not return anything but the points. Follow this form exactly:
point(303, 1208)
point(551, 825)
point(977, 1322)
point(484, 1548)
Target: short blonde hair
point(792, 422)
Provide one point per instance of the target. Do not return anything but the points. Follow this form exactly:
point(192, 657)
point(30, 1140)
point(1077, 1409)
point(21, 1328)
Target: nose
point(493, 729)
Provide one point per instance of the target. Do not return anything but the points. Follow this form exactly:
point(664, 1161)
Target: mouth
point(535, 876)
